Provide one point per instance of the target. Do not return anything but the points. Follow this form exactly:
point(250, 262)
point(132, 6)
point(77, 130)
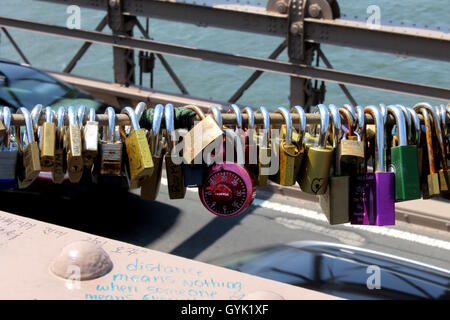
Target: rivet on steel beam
point(281, 7)
point(295, 28)
point(314, 10)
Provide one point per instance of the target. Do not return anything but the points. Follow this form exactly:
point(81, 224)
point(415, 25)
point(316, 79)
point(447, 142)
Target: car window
point(21, 86)
point(342, 274)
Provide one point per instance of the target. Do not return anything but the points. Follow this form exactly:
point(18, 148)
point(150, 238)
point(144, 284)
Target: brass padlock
point(335, 203)
point(90, 140)
point(316, 165)
point(60, 165)
point(265, 166)
point(74, 149)
point(172, 159)
point(432, 186)
point(351, 147)
point(29, 163)
point(111, 148)
point(47, 141)
point(299, 139)
point(139, 157)
point(288, 152)
point(150, 185)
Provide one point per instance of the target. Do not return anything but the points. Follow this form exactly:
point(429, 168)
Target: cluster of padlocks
point(358, 168)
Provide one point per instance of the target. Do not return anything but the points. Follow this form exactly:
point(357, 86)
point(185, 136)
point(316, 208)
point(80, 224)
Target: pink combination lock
point(228, 189)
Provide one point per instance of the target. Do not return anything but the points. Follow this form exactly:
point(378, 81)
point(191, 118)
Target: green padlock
point(404, 161)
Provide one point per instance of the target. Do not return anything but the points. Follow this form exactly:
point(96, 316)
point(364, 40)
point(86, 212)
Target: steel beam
point(274, 66)
point(412, 42)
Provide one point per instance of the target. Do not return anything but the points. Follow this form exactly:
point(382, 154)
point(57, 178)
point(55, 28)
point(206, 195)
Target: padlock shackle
point(379, 137)
point(251, 117)
point(238, 114)
point(48, 114)
point(139, 110)
point(361, 121)
point(302, 121)
point(352, 111)
point(28, 127)
point(169, 117)
point(416, 122)
point(35, 115)
point(337, 126)
point(266, 125)
point(428, 135)
point(80, 115)
point(60, 117)
point(350, 121)
point(197, 110)
point(400, 121)
point(6, 112)
point(384, 113)
point(288, 121)
point(437, 127)
point(324, 125)
point(408, 120)
point(91, 114)
point(155, 144)
point(217, 115)
point(133, 118)
point(109, 130)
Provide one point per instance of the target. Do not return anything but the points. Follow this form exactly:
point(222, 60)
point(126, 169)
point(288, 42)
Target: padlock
point(90, 140)
point(60, 164)
point(47, 141)
point(74, 148)
point(432, 186)
point(409, 122)
point(250, 145)
point(228, 188)
point(335, 203)
point(196, 142)
point(351, 148)
point(140, 160)
point(35, 116)
point(264, 167)
point(298, 137)
point(151, 184)
point(403, 162)
point(172, 159)
point(372, 195)
point(29, 164)
point(237, 154)
point(313, 178)
point(288, 152)
point(8, 153)
point(108, 167)
point(444, 172)
point(416, 138)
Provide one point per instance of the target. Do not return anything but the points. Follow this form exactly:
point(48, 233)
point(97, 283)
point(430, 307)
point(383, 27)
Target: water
point(219, 81)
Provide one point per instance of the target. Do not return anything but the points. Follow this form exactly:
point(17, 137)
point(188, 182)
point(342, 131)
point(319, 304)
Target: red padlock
point(228, 188)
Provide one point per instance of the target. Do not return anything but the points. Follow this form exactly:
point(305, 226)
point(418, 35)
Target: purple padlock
point(372, 195)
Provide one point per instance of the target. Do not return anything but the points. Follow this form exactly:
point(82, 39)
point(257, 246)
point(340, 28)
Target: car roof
point(331, 245)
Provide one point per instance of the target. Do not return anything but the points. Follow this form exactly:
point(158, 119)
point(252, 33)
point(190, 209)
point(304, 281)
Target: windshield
point(22, 86)
point(341, 273)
